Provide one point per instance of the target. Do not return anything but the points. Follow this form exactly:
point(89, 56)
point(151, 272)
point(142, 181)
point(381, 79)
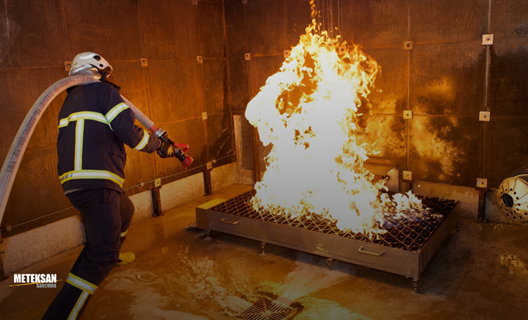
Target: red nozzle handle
point(183, 146)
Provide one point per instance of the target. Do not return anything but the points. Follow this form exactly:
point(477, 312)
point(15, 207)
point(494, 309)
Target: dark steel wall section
point(265, 27)
point(447, 90)
point(388, 100)
point(258, 28)
point(374, 24)
point(446, 79)
point(506, 146)
point(297, 15)
point(131, 77)
point(36, 37)
point(236, 49)
point(27, 26)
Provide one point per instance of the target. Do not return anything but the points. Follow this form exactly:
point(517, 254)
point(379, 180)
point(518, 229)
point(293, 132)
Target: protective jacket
point(94, 125)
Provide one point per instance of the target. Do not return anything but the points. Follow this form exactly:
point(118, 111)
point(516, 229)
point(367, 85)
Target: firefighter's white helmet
point(87, 60)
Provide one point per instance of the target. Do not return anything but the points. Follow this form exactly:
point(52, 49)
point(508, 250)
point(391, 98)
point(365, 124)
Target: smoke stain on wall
point(431, 143)
point(8, 35)
point(384, 135)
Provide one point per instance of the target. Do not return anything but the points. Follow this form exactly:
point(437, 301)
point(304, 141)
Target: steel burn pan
point(406, 249)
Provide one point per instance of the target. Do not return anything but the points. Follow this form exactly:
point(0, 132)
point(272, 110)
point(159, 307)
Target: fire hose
point(181, 148)
point(19, 145)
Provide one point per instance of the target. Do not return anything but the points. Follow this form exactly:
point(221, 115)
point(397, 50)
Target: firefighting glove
point(166, 150)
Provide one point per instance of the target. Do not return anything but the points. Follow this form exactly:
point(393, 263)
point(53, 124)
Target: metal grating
point(266, 309)
point(409, 235)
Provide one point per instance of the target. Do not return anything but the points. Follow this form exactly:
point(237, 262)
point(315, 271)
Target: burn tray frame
point(405, 250)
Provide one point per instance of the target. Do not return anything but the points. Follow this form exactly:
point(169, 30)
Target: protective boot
point(126, 258)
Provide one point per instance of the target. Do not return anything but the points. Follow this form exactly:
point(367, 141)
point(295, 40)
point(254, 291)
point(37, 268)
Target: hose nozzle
point(180, 155)
point(186, 160)
point(180, 149)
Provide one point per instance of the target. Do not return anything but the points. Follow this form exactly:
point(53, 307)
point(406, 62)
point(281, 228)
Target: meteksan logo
point(40, 280)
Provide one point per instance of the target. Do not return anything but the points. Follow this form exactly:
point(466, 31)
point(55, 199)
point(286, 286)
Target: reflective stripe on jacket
point(94, 124)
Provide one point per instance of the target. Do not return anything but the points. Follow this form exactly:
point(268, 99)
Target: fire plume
point(308, 112)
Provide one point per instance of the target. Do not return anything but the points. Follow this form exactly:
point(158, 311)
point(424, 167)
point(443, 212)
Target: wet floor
point(479, 273)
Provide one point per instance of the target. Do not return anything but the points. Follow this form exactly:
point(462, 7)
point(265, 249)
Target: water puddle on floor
point(513, 263)
point(199, 289)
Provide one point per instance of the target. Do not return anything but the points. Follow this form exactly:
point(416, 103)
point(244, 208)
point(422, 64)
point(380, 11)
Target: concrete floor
point(479, 273)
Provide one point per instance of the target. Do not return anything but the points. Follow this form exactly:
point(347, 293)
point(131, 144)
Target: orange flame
point(308, 111)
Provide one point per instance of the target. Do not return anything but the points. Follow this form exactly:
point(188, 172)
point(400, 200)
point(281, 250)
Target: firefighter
point(94, 124)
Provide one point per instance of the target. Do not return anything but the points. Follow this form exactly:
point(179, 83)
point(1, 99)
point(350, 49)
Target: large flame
point(308, 111)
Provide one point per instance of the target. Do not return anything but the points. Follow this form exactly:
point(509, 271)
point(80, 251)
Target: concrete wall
point(27, 248)
point(468, 197)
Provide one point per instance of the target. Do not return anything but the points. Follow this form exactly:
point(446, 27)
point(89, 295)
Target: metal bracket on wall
point(157, 182)
point(199, 59)
point(407, 175)
point(247, 56)
point(342, 49)
point(407, 114)
point(209, 165)
point(204, 115)
point(484, 116)
point(286, 53)
point(482, 183)
point(407, 45)
point(144, 62)
point(67, 65)
point(487, 39)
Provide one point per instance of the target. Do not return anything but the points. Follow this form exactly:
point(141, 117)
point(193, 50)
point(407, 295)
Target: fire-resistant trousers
point(107, 215)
